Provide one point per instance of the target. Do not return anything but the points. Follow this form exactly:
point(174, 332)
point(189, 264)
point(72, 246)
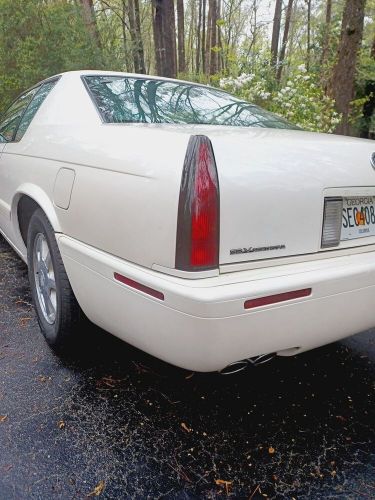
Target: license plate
point(358, 217)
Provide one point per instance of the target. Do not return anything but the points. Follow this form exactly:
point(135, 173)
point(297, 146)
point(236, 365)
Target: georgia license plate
point(358, 217)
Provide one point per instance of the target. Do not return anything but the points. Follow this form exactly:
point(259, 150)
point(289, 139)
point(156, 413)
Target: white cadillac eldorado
point(193, 225)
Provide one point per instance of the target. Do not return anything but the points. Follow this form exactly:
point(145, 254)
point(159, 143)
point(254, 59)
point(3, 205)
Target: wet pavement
point(114, 422)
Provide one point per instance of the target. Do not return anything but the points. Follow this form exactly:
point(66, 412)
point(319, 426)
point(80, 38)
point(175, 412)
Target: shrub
point(301, 100)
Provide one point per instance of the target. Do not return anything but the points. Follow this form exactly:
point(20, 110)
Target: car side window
point(33, 107)
point(13, 115)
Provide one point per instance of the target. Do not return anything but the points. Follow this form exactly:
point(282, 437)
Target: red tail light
point(197, 245)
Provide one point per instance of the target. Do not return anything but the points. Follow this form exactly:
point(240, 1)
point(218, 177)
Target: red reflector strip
point(139, 286)
point(279, 297)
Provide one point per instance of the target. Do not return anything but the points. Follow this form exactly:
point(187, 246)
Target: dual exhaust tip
point(239, 366)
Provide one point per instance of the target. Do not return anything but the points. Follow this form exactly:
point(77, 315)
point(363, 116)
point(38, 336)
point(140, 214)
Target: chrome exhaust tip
point(236, 367)
point(239, 366)
point(262, 359)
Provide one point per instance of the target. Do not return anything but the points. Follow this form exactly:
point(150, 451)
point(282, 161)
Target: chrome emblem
point(236, 251)
point(372, 160)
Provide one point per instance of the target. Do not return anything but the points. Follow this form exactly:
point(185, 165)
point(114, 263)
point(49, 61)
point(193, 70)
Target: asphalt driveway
point(112, 421)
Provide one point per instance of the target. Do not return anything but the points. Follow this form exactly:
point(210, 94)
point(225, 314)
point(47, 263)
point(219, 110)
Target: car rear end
point(272, 248)
point(227, 306)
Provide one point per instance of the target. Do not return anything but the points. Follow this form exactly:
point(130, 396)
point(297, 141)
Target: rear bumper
point(202, 324)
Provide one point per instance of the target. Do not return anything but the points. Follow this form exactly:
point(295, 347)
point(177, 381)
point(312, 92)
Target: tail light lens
point(197, 245)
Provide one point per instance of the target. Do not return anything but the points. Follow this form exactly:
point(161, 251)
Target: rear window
point(122, 99)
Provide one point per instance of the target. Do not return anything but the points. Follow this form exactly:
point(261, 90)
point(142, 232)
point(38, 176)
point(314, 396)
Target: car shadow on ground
point(109, 416)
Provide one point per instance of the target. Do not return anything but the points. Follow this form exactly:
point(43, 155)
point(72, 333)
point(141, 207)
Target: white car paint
point(111, 193)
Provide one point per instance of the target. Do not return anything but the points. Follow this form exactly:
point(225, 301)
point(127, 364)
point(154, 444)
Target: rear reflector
point(332, 221)
point(279, 297)
point(139, 286)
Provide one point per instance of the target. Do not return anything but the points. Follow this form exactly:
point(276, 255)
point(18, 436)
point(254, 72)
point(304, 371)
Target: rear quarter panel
point(129, 208)
point(127, 177)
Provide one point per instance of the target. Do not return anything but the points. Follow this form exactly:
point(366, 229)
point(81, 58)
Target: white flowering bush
point(301, 100)
point(248, 87)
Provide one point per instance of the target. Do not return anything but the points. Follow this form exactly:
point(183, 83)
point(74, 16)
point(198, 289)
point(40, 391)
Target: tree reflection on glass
point(140, 100)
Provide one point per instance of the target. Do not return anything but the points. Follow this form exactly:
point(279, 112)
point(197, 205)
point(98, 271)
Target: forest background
point(311, 61)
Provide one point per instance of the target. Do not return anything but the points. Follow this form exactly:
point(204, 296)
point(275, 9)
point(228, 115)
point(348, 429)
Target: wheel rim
point(44, 276)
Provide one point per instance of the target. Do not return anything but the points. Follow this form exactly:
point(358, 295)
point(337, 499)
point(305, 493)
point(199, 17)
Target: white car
point(195, 226)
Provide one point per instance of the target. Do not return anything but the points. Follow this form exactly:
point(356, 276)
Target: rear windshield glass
point(140, 100)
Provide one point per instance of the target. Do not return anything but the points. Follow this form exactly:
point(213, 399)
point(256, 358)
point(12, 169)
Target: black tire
point(59, 330)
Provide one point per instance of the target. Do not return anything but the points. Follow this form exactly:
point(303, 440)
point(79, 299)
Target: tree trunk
point(327, 33)
point(326, 45)
point(228, 41)
point(276, 33)
point(203, 45)
point(208, 37)
point(308, 34)
point(288, 17)
point(220, 54)
point(255, 34)
point(90, 21)
point(157, 24)
point(192, 40)
point(124, 37)
point(199, 37)
point(181, 36)
point(164, 26)
point(133, 36)
point(213, 42)
point(169, 29)
point(138, 33)
point(343, 75)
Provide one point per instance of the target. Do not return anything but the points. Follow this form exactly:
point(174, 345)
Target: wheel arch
point(27, 199)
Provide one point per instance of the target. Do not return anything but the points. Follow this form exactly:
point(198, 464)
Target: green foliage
point(39, 39)
point(301, 100)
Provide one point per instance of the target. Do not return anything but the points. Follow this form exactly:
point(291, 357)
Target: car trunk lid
point(273, 184)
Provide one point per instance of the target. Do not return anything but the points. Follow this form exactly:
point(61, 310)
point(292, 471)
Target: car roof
point(91, 72)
